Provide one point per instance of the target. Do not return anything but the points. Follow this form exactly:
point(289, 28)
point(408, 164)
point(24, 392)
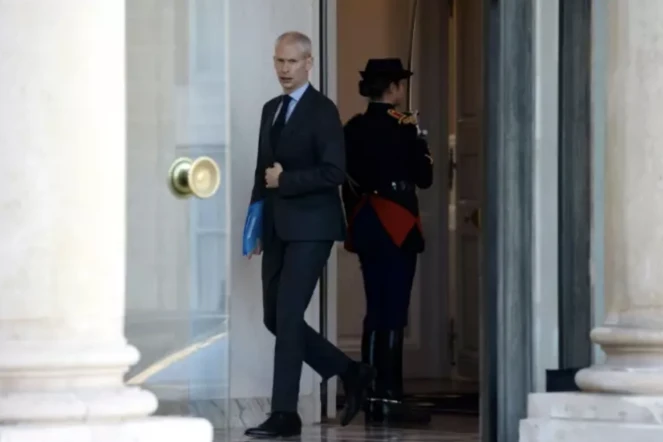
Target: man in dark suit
point(300, 166)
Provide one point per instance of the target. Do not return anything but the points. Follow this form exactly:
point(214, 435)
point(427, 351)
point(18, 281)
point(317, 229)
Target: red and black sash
point(397, 221)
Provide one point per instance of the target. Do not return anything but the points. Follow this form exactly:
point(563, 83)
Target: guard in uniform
point(387, 160)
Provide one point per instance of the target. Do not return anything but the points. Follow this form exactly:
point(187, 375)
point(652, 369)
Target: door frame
point(465, 365)
point(575, 183)
point(328, 285)
point(599, 67)
point(507, 338)
point(508, 245)
point(430, 308)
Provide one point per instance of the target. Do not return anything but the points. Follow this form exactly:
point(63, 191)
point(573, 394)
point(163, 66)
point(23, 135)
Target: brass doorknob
point(200, 177)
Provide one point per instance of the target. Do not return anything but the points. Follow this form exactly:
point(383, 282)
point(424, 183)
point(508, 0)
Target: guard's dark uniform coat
point(386, 161)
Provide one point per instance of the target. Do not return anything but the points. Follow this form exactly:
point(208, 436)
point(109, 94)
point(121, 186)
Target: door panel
point(390, 22)
point(177, 246)
point(469, 145)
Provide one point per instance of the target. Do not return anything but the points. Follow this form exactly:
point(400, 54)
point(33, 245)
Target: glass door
point(177, 204)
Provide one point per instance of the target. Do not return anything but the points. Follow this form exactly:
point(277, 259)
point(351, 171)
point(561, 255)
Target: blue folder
point(252, 228)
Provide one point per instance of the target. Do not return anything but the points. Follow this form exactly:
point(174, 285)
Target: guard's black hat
point(385, 68)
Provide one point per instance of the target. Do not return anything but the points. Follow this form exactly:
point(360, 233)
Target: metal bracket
point(452, 342)
point(474, 218)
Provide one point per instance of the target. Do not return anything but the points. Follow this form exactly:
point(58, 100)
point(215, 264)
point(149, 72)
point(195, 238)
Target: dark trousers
point(388, 277)
point(290, 271)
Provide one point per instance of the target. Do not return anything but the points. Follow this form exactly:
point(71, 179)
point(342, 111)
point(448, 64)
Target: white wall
point(254, 25)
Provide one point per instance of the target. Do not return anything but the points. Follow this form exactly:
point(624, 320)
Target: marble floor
point(442, 429)
point(423, 386)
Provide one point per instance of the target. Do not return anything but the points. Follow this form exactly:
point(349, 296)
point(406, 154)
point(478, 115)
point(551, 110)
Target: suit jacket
point(306, 206)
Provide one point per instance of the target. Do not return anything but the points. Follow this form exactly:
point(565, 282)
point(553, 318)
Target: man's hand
point(256, 251)
point(272, 176)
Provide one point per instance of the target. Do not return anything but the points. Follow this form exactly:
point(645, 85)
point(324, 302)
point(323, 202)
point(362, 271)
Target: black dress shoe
point(355, 383)
point(278, 424)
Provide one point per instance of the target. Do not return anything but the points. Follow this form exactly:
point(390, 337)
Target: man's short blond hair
point(299, 38)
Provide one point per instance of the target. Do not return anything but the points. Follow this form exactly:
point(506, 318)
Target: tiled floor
point(423, 386)
point(442, 429)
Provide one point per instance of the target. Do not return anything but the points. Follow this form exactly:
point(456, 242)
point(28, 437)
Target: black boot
point(369, 345)
point(390, 382)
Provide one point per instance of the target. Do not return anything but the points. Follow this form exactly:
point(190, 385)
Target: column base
point(586, 417)
point(627, 381)
point(77, 406)
point(156, 429)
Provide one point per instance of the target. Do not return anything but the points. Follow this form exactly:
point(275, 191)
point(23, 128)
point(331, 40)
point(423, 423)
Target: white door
point(177, 217)
point(469, 182)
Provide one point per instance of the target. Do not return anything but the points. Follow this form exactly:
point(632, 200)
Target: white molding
point(314, 306)
point(598, 109)
point(545, 323)
point(330, 69)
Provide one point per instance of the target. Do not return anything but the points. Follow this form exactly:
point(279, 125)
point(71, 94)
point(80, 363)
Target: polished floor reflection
point(442, 429)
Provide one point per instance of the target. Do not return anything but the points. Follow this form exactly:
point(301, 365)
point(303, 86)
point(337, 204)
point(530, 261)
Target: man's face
point(292, 65)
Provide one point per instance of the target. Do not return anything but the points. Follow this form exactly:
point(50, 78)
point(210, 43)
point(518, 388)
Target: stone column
point(62, 229)
point(623, 397)
point(632, 336)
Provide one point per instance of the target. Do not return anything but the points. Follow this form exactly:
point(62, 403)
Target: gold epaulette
point(403, 118)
